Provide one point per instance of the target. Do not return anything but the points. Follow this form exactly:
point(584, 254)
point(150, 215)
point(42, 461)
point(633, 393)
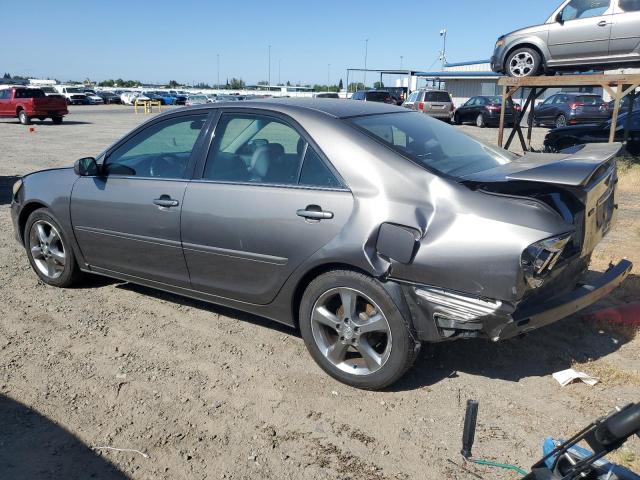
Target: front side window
point(431, 143)
point(584, 9)
point(630, 5)
point(162, 150)
point(250, 148)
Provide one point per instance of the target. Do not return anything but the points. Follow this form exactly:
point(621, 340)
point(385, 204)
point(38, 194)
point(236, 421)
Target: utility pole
point(366, 48)
point(328, 76)
point(443, 57)
point(401, 58)
point(269, 75)
point(279, 65)
point(218, 63)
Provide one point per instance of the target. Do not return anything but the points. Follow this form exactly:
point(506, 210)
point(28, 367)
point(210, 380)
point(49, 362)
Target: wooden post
point(505, 89)
point(616, 111)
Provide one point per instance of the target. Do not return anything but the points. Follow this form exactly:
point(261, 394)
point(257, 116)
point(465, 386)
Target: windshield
point(73, 90)
point(377, 96)
point(432, 144)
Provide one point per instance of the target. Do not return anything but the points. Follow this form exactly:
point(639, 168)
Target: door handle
point(314, 212)
point(166, 201)
point(603, 23)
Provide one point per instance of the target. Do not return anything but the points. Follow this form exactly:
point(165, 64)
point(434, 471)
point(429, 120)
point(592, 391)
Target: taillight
point(574, 106)
point(493, 108)
point(604, 106)
point(421, 106)
point(518, 107)
point(452, 107)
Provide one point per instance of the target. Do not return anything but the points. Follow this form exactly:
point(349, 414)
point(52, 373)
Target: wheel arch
point(309, 277)
point(27, 210)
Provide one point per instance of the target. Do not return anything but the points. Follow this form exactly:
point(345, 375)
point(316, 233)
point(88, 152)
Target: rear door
point(127, 220)
point(266, 200)
point(625, 32)
point(545, 110)
point(465, 111)
point(584, 31)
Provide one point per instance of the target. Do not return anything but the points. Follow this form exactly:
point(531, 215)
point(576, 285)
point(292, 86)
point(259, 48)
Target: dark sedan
point(483, 111)
point(560, 138)
point(109, 97)
point(380, 96)
point(564, 109)
point(369, 227)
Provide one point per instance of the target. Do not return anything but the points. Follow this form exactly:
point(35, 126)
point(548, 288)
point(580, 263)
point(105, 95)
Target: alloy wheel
point(561, 121)
point(47, 249)
point(351, 331)
point(522, 64)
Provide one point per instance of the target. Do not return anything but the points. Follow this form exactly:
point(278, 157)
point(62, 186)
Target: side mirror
point(86, 167)
point(559, 17)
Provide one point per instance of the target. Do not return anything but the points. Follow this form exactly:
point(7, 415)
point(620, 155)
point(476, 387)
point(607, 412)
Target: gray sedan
point(371, 228)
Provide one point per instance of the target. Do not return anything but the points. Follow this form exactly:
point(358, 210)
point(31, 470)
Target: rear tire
point(561, 121)
point(336, 334)
point(480, 121)
point(49, 250)
point(523, 62)
point(24, 118)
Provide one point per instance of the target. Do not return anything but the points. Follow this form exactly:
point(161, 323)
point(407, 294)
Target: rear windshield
point(377, 96)
point(432, 144)
point(437, 97)
point(589, 99)
point(493, 100)
point(29, 93)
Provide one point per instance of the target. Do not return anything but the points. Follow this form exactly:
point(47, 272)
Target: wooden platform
point(618, 86)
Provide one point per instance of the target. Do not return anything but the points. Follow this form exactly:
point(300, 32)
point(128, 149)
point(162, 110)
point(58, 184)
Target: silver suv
point(435, 103)
point(579, 35)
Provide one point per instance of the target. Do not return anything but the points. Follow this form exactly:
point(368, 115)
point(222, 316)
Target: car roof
point(332, 107)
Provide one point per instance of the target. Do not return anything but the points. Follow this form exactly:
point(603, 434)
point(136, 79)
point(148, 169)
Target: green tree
point(378, 85)
point(236, 83)
point(353, 87)
point(106, 83)
point(173, 84)
point(7, 76)
point(288, 83)
point(340, 85)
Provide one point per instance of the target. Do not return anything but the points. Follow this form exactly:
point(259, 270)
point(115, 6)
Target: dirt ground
point(203, 392)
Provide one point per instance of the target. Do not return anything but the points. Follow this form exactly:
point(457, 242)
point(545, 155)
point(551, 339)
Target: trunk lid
point(587, 175)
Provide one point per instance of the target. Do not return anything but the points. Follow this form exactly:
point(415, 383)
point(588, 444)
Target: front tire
point(480, 121)
point(24, 118)
point(354, 331)
point(49, 251)
point(523, 62)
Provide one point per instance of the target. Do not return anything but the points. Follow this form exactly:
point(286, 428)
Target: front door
point(266, 201)
point(127, 220)
point(583, 31)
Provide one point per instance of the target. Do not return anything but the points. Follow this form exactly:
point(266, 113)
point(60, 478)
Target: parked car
point(560, 138)
point(579, 35)
point(380, 96)
point(129, 98)
point(484, 111)
point(50, 91)
point(564, 109)
point(326, 95)
point(74, 95)
point(27, 103)
point(92, 98)
point(163, 97)
point(109, 97)
point(180, 96)
point(435, 103)
point(406, 230)
point(197, 100)
point(624, 103)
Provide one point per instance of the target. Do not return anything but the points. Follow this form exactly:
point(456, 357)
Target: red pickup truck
point(27, 103)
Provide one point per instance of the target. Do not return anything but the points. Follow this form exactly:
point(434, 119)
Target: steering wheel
point(166, 165)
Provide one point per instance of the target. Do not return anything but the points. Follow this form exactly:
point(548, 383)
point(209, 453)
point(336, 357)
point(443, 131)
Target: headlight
point(16, 188)
point(540, 258)
point(500, 43)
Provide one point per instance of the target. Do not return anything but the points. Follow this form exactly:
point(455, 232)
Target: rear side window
point(377, 96)
point(4, 94)
point(315, 172)
point(630, 5)
point(589, 100)
point(437, 97)
point(29, 93)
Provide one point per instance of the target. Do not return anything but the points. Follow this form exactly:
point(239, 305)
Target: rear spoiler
point(575, 169)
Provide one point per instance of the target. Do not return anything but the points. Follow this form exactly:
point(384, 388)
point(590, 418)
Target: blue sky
point(164, 40)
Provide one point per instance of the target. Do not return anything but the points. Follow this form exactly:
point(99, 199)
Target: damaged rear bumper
point(440, 315)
